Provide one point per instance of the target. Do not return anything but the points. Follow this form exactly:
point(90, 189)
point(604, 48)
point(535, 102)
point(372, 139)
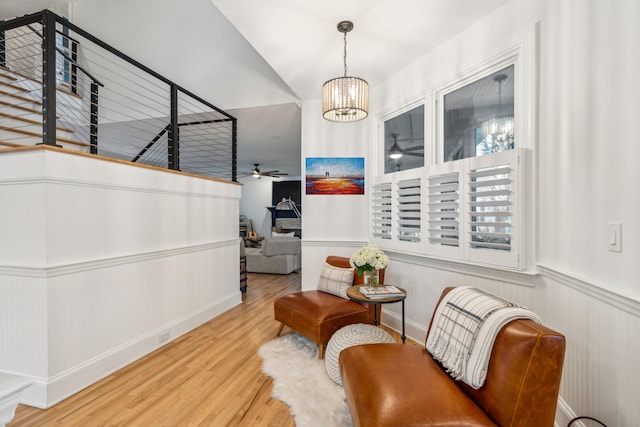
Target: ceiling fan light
point(395, 152)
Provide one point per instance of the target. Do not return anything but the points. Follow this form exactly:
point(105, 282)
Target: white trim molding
point(72, 268)
point(333, 243)
point(628, 304)
point(517, 277)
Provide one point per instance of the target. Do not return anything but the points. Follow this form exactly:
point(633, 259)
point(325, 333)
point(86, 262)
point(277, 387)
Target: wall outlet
point(163, 337)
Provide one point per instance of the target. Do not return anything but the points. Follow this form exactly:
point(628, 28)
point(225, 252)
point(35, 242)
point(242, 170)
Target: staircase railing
point(106, 103)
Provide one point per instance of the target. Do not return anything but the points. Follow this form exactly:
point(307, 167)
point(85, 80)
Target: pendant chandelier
point(345, 99)
point(499, 129)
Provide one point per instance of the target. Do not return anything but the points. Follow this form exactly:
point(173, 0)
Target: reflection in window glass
point(478, 118)
point(404, 141)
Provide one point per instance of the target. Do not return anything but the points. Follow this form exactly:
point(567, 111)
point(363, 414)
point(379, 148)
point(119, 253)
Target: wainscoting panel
point(23, 324)
point(110, 261)
point(600, 375)
point(74, 328)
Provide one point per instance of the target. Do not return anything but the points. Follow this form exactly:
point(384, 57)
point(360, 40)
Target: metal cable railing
point(59, 85)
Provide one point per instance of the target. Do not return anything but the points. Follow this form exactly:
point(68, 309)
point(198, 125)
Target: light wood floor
point(210, 376)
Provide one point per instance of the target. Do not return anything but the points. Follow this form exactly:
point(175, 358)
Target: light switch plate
point(615, 237)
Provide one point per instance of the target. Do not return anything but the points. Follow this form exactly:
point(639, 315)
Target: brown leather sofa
point(402, 385)
point(318, 315)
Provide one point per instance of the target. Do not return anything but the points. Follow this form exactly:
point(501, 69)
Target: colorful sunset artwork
point(335, 175)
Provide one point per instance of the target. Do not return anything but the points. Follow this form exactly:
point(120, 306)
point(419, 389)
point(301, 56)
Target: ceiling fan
point(257, 173)
point(395, 152)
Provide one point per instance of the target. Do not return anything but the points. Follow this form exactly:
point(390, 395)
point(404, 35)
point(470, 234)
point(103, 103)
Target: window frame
point(523, 55)
point(413, 103)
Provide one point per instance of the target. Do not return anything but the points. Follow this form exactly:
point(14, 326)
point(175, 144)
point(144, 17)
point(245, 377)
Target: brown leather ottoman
point(318, 315)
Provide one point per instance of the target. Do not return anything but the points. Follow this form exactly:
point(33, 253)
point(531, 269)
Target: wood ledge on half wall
point(112, 160)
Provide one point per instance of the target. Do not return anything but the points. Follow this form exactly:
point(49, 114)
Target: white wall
point(583, 179)
point(588, 142)
point(98, 259)
point(256, 196)
point(331, 224)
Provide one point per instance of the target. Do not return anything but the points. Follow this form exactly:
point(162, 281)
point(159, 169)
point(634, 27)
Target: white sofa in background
point(278, 255)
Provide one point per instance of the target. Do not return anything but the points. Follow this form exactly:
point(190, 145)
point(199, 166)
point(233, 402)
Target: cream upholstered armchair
point(318, 314)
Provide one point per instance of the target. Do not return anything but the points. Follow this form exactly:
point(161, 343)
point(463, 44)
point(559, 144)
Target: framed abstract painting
point(334, 175)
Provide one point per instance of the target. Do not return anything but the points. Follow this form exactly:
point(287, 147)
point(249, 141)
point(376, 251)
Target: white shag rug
point(301, 381)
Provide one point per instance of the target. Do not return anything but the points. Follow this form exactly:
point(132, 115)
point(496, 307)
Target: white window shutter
point(381, 210)
point(444, 211)
point(493, 208)
point(409, 210)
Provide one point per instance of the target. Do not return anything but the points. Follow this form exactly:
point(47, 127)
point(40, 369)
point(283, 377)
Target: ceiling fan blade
point(414, 154)
point(268, 172)
point(414, 148)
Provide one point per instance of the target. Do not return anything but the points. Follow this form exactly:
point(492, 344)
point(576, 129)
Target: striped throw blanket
point(465, 326)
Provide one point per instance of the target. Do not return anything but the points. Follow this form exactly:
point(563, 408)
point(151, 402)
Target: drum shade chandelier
point(345, 99)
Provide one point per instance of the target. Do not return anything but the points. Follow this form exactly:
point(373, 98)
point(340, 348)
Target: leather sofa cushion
point(401, 385)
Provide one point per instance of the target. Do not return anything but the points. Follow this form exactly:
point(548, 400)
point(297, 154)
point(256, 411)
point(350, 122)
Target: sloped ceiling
point(300, 41)
point(13, 8)
point(258, 59)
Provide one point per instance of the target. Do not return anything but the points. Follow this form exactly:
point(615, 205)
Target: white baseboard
point(45, 393)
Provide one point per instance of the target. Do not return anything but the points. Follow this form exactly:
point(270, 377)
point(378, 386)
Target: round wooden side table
point(354, 293)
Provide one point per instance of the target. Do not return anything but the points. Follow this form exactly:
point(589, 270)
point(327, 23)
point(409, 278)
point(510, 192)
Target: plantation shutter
point(409, 210)
point(444, 213)
point(492, 208)
point(381, 210)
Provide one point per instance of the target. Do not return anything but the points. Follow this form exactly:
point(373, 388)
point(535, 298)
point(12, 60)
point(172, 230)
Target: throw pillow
point(335, 280)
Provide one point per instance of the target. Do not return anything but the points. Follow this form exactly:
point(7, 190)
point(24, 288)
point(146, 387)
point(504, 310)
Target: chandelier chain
point(345, 54)
point(345, 99)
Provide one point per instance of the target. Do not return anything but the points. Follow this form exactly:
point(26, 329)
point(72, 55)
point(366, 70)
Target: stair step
point(11, 144)
point(19, 97)
point(37, 135)
point(22, 108)
point(6, 76)
point(33, 122)
point(8, 72)
point(21, 115)
point(13, 86)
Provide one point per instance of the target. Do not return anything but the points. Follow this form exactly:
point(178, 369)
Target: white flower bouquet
point(369, 258)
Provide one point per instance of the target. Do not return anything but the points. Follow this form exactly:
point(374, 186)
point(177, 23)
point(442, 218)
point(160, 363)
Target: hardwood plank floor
point(210, 376)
